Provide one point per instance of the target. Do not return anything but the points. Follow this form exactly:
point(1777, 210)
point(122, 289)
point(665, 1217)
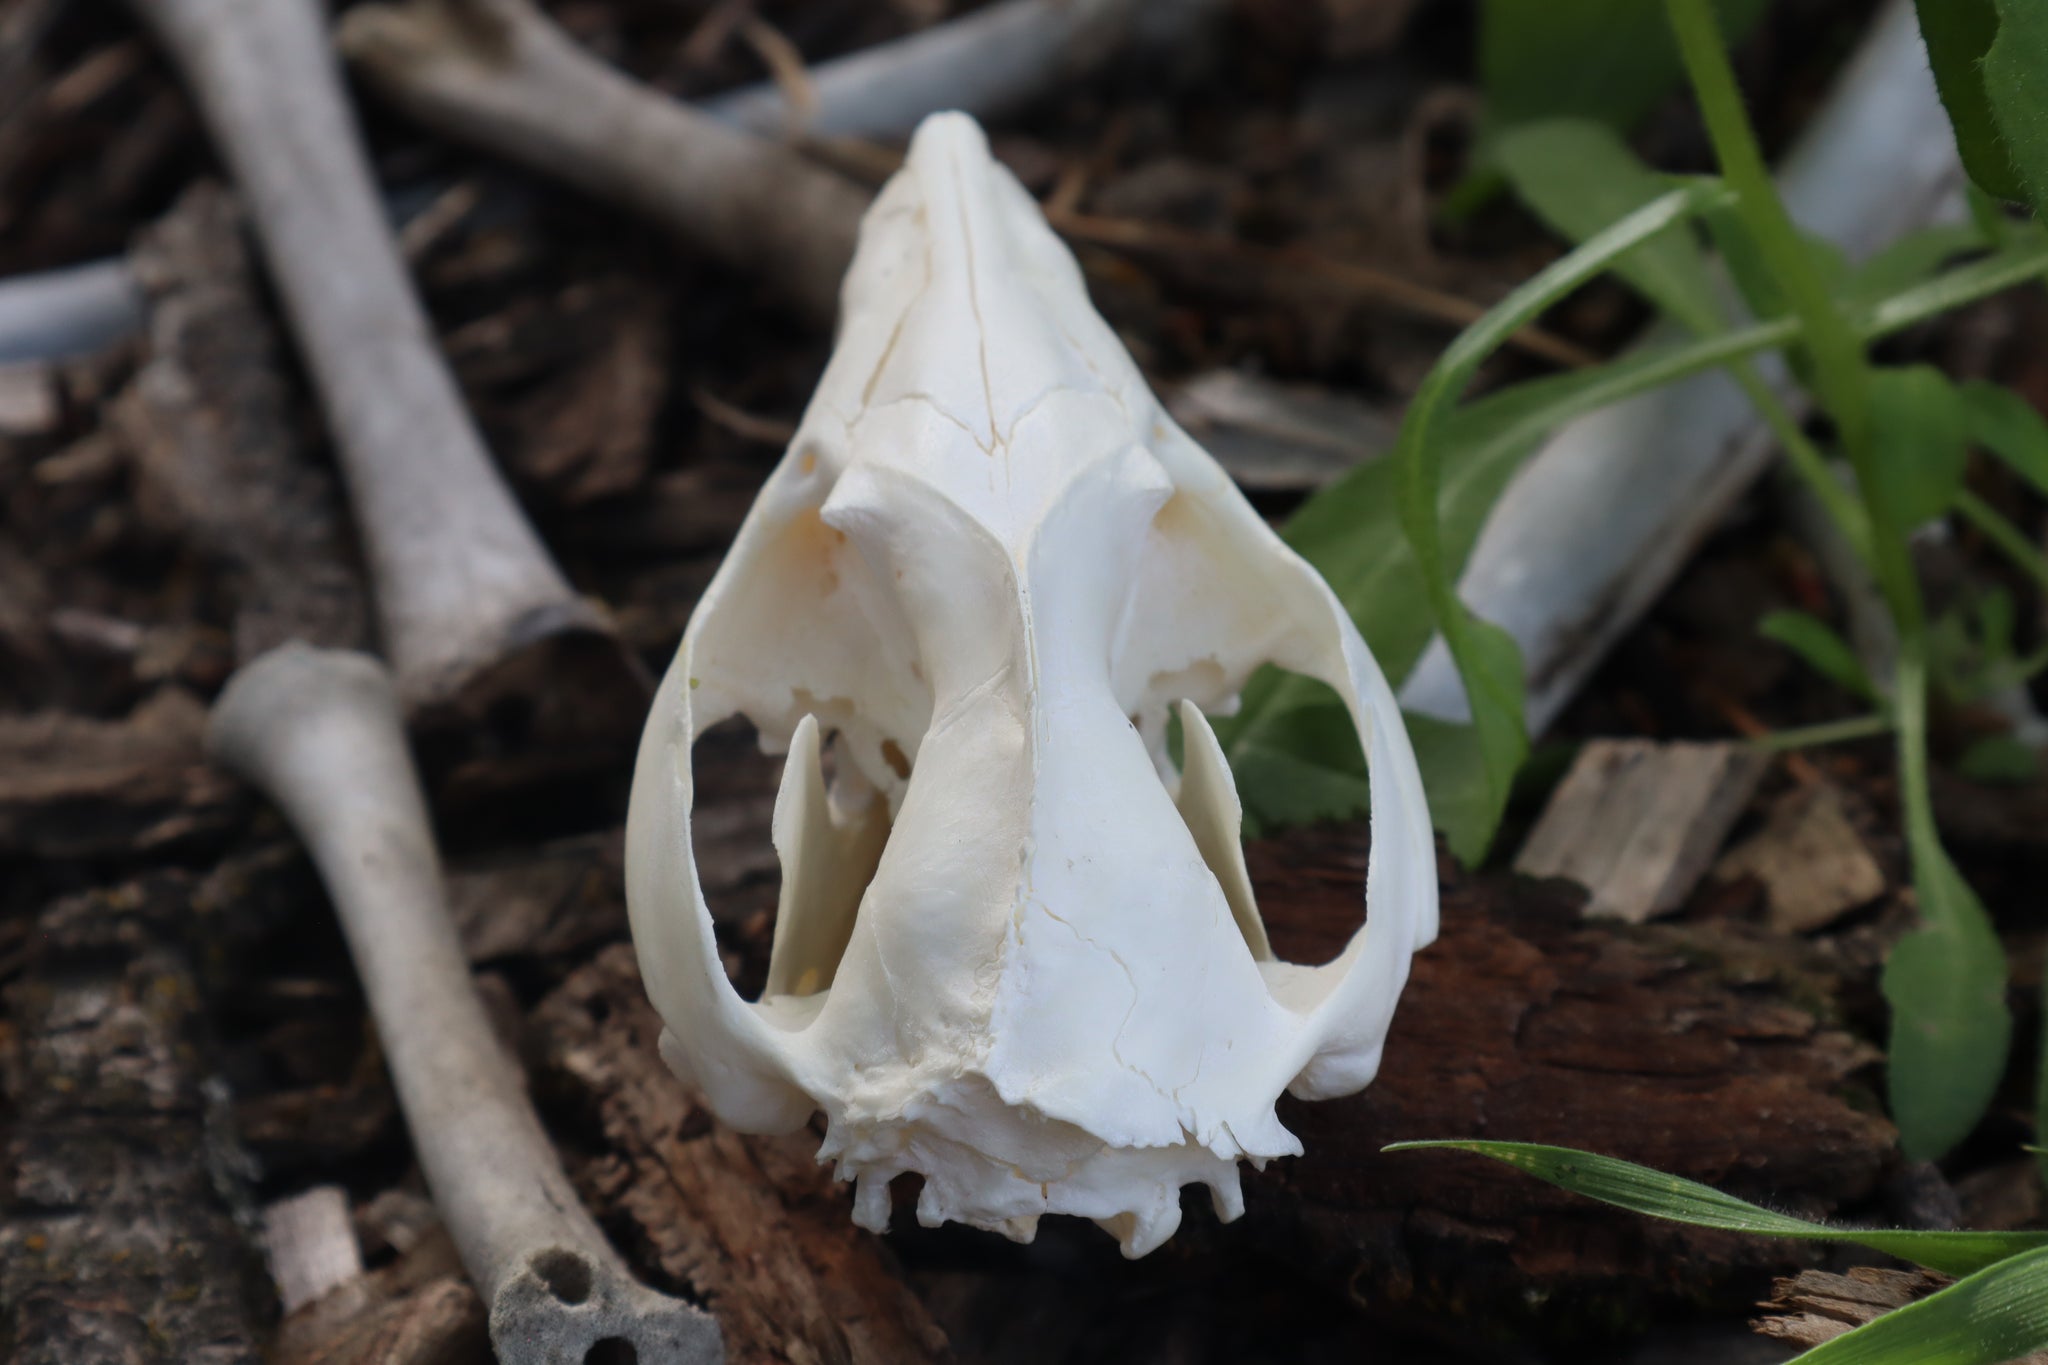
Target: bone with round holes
point(318, 730)
point(1016, 952)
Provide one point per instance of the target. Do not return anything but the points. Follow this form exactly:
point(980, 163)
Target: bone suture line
point(319, 732)
point(462, 581)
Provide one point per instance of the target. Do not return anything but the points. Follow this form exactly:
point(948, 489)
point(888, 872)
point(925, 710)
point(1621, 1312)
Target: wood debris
point(420, 1310)
point(1637, 822)
point(1812, 863)
point(72, 787)
point(1816, 1306)
point(116, 1243)
point(1653, 1044)
point(752, 1225)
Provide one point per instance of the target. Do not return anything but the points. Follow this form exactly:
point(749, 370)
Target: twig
point(318, 731)
point(462, 581)
point(499, 74)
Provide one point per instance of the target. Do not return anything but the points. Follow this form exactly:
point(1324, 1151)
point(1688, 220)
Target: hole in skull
point(892, 754)
point(612, 1351)
point(740, 870)
point(566, 1274)
point(1302, 928)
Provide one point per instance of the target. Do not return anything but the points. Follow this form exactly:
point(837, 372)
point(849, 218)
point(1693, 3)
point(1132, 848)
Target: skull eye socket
point(827, 825)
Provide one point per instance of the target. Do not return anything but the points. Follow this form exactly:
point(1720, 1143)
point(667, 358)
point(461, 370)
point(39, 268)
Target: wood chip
point(1816, 1306)
point(417, 1311)
point(1637, 822)
point(28, 400)
point(1810, 859)
point(309, 1241)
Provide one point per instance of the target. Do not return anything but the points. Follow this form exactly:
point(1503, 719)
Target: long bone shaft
point(1876, 161)
point(462, 581)
point(498, 74)
point(987, 62)
point(318, 731)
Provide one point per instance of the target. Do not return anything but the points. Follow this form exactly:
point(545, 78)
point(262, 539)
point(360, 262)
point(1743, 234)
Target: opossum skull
point(1015, 952)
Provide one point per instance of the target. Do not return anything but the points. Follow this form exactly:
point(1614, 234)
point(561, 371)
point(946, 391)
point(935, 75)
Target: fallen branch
point(462, 582)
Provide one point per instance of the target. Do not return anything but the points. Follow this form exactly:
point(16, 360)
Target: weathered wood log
point(1523, 1023)
point(751, 1226)
point(115, 1242)
point(220, 442)
point(73, 786)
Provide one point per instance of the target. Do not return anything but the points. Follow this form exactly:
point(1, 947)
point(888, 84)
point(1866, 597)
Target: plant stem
point(1837, 354)
point(2008, 538)
point(1830, 732)
point(1807, 462)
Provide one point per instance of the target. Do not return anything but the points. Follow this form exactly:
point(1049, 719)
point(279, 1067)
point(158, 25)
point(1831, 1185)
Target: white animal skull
point(1015, 952)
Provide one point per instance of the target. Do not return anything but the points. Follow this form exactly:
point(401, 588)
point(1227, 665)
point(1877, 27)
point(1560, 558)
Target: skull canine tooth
point(1009, 956)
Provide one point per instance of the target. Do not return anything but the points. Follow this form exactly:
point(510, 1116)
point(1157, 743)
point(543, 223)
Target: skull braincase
point(1015, 951)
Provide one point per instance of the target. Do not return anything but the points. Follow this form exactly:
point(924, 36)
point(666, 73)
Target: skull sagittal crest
point(1016, 951)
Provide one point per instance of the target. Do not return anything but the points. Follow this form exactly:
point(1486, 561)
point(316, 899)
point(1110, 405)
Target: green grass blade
point(1488, 660)
point(1579, 176)
point(1657, 1195)
point(1351, 533)
point(1998, 1314)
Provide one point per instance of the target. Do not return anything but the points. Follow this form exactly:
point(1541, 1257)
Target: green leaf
point(2013, 70)
point(1578, 176)
point(2000, 760)
point(1487, 658)
point(1950, 1026)
point(1996, 1315)
point(1753, 274)
point(1657, 1195)
point(1911, 260)
point(1303, 763)
point(1827, 653)
point(2009, 427)
point(1351, 533)
point(1454, 778)
point(1958, 34)
point(1607, 60)
point(1920, 441)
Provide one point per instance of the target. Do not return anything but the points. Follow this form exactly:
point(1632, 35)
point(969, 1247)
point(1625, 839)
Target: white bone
point(990, 562)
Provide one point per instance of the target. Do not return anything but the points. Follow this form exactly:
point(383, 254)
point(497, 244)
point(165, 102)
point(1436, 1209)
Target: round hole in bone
point(567, 1275)
point(612, 1351)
